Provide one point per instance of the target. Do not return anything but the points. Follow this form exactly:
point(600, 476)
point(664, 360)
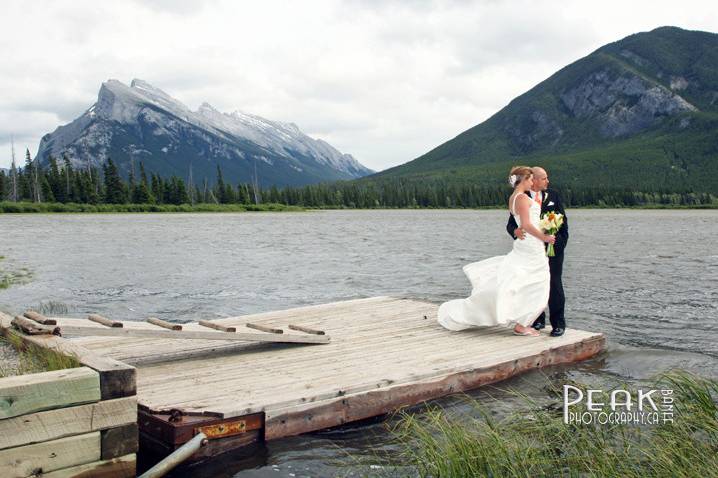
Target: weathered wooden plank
point(52, 424)
point(237, 396)
point(341, 357)
point(34, 328)
point(5, 321)
point(117, 379)
point(123, 467)
point(264, 328)
point(192, 335)
point(143, 351)
point(39, 318)
point(119, 441)
point(25, 461)
point(284, 361)
point(104, 321)
point(382, 333)
point(212, 325)
point(164, 324)
point(301, 328)
point(20, 395)
point(337, 411)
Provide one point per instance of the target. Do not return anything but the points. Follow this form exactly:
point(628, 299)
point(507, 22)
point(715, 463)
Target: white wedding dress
point(506, 290)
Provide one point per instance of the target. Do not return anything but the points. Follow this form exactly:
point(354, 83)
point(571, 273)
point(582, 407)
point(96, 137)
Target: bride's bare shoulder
point(522, 199)
point(515, 201)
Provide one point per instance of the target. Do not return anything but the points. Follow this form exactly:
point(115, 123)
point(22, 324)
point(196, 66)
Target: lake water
point(645, 278)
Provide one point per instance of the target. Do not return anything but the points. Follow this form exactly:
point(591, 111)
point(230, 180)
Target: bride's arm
point(523, 203)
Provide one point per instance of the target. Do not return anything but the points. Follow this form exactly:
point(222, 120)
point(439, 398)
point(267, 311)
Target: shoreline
point(77, 208)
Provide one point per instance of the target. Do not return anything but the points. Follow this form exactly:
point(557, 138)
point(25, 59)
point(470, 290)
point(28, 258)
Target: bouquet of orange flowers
point(550, 223)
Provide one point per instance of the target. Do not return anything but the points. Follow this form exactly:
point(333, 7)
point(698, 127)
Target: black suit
point(551, 202)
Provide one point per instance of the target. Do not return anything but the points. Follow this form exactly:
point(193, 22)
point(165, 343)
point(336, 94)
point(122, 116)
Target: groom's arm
point(511, 226)
point(562, 234)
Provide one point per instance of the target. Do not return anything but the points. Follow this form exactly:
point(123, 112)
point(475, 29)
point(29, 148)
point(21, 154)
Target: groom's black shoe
point(539, 325)
point(557, 332)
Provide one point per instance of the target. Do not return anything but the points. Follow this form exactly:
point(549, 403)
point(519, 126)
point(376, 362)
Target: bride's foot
point(527, 331)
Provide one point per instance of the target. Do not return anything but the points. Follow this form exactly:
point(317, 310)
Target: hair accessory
point(512, 180)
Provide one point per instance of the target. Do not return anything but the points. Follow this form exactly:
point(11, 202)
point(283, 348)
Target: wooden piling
point(39, 318)
point(164, 324)
point(104, 321)
point(220, 327)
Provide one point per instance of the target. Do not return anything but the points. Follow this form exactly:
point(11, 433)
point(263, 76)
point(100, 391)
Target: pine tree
point(68, 177)
point(56, 181)
point(220, 194)
point(46, 189)
point(157, 191)
point(31, 170)
point(142, 193)
point(114, 188)
point(131, 186)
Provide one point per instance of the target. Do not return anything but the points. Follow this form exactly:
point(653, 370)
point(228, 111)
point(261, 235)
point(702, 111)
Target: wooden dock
point(382, 354)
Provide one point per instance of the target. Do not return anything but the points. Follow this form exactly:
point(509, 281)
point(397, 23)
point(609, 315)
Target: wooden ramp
point(384, 353)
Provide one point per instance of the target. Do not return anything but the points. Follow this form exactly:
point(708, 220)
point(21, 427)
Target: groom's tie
point(537, 198)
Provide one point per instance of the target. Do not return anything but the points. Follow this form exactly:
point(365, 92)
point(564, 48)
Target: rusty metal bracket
point(221, 430)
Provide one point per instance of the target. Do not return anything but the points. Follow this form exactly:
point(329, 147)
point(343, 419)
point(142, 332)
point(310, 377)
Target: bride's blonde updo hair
point(518, 174)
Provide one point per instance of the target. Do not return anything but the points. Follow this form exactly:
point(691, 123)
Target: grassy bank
point(534, 441)
point(31, 359)
point(29, 207)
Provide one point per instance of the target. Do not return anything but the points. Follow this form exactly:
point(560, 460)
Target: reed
point(533, 441)
point(51, 307)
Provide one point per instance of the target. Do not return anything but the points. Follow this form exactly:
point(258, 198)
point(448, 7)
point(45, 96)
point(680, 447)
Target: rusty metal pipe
point(176, 457)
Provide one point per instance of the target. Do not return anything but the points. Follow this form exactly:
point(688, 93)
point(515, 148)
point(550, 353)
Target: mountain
point(141, 123)
point(638, 113)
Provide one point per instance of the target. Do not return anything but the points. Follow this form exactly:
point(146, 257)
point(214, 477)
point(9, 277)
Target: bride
point(511, 289)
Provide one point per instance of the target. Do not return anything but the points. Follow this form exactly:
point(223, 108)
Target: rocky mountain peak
point(622, 104)
point(143, 123)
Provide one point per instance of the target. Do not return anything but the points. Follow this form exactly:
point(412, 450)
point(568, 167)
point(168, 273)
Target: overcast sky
point(383, 80)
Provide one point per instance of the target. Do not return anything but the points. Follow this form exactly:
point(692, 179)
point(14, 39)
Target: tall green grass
point(34, 359)
point(534, 441)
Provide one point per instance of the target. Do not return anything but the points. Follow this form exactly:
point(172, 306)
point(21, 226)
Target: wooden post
point(104, 321)
point(31, 327)
point(306, 329)
point(264, 328)
point(119, 441)
point(72, 330)
point(212, 325)
point(164, 324)
point(39, 318)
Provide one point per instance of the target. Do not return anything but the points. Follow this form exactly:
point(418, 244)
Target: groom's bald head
point(540, 178)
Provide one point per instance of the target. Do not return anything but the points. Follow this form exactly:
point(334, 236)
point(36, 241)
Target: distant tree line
point(63, 183)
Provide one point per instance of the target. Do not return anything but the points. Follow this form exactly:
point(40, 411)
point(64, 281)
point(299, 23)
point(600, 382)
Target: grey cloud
point(383, 80)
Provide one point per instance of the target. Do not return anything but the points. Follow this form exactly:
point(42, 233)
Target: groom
point(550, 201)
